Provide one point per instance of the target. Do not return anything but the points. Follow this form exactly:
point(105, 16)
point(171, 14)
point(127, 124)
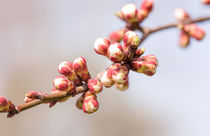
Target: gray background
point(35, 35)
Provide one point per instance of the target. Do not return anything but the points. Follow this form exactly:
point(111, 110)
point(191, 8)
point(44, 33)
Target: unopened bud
point(80, 102)
point(184, 39)
point(145, 9)
point(80, 67)
point(129, 12)
point(146, 65)
point(90, 104)
point(194, 31)
point(66, 68)
point(63, 84)
point(115, 52)
point(101, 45)
point(181, 15)
point(117, 36)
point(206, 2)
point(106, 78)
point(120, 74)
point(32, 95)
point(4, 104)
point(130, 38)
point(139, 52)
point(123, 86)
point(95, 86)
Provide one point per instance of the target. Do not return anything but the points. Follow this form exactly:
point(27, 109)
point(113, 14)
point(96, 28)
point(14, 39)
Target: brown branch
point(46, 98)
point(148, 31)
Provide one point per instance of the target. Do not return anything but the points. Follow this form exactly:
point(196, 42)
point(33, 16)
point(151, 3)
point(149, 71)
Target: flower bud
point(184, 39)
point(139, 52)
point(117, 36)
point(130, 38)
point(90, 104)
point(4, 104)
point(106, 78)
point(101, 45)
point(80, 67)
point(181, 15)
point(146, 65)
point(123, 86)
point(120, 74)
point(141, 14)
point(80, 102)
point(95, 86)
point(115, 52)
point(194, 31)
point(128, 13)
point(147, 5)
point(66, 68)
point(63, 84)
point(32, 95)
point(206, 2)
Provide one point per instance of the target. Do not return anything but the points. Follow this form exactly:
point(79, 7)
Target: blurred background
point(36, 35)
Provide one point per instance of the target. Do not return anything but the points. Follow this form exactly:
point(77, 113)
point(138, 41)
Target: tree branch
point(46, 98)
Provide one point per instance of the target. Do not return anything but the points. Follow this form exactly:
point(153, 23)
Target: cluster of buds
point(131, 14)
point(115, 51)
point(5, 104)
point(115, 74)
point(187, 30)
point(207, 2)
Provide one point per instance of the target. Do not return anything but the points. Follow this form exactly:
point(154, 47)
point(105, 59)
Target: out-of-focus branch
point(148, 31)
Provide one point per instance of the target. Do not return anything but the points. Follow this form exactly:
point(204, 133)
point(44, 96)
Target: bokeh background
point(35, 35)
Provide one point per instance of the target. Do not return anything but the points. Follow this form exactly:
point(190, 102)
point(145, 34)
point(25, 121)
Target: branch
point(148, 31)
point(46, 98)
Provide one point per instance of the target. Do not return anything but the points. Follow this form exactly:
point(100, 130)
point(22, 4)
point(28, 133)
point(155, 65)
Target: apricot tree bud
point(128, 13)
point(4, 104)
point(120, 74)
point(95, 86)
point(206, 2)
point(80, 67)
point(181, 15)
point(130, 38)
point(101, 45)
point(63, 84)
point(122, 86)
point(66, 68)
point(32, 95)
point(184, 39)
point(106, 77)
point(115, 52)
point(194, 31)
point(90, 103)
point(117, 36)
point(80, 102)
point(146, 65)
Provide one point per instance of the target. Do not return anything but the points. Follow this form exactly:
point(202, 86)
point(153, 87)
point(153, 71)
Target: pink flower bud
point(120, 74)
point(146, 65)
point(115, 52)
point(90, 104)
point(206, 2)
point(106, 77)
point(128, 13)
point(130, 38)
point(142, 14)
point(63, 84)
point(184, 39)
point(123, 86)
point(147, 5)
point(101, 45)
point(4, 104)
point(80, 67)
point(117, 36)
point(139, 52)
point(95, 86)
point(181, 15)
point(66, 68)
point(32, 95)
point(194, 31)
point(80, 102)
